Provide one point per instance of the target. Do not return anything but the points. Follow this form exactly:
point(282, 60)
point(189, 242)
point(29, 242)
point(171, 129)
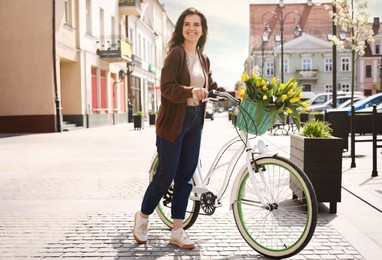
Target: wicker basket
point(247, 116)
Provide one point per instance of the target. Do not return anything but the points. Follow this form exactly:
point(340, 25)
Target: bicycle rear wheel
point(164, 206)
point(285, 225)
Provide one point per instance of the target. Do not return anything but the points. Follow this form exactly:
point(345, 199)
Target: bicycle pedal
point(218, 205)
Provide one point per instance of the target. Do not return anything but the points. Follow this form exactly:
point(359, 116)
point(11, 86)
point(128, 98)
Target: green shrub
point(317, 128)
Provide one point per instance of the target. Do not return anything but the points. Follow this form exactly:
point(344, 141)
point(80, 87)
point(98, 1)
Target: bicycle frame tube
point(200, 183)
point(235, 186)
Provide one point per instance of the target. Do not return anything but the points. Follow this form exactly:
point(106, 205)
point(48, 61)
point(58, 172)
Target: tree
point(352, 20)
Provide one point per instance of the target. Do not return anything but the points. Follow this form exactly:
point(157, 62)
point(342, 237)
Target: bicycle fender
point(235, 186)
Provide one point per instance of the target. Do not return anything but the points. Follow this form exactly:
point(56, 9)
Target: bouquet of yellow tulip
point(267, 101)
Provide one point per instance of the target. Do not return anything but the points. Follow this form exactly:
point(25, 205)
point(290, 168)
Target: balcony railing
point(113, 49)
point(130, 7)
point(307, 74)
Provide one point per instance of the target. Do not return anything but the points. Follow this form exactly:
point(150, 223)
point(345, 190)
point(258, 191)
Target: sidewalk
point(72, 195)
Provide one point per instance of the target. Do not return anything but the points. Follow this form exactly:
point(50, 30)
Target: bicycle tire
point(164, 211)
point(287, 224)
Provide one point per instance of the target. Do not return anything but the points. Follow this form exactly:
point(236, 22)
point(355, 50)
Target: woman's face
point(192, 28)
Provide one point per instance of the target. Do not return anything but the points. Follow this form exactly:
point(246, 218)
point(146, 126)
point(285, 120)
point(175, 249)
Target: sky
point(228, 31)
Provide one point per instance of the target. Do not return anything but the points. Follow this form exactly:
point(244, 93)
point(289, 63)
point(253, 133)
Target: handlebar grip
point(222, 95)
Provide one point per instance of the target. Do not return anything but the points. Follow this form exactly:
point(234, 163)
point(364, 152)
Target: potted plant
point(234, 117)
point(263, 102)
point(304, 117)
point(319, 155)
point(152, 117)
point(138, 120)
point(319, 115)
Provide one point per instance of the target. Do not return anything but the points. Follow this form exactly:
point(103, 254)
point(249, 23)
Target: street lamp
point(281, 19)
point(130, 69)
point(264, 41)
point(380, 75)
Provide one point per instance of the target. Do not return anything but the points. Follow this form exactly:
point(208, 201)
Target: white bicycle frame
point(200, 184)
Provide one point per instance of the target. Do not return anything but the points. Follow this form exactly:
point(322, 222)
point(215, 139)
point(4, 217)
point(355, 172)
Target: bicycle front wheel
point(163, 208)
point(282, 225)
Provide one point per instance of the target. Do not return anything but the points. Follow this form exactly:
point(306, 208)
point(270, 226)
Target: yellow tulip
point(288, 110)
point(295, 84)
point(294, 100)
point(290, 92)
point(263, 82)
point(300, 95)
point(258, 83)
point(304, 105)
point(274, 80)
point(283, 97)
point(254, 74)
point(265, 97)
point(306, 108)
point(265, 88)
point(244, 77)
point(282, 86)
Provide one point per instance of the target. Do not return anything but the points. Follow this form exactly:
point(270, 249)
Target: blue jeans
point(177, 162)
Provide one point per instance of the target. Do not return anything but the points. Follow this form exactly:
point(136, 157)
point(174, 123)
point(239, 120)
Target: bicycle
point(273, 202)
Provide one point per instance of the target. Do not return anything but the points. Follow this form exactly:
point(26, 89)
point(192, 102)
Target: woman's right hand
point(199, 93)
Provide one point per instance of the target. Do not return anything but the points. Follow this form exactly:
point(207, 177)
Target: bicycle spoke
point(284, 225)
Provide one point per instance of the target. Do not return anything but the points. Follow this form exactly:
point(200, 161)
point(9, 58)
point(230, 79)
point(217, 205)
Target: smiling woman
point(185, 81)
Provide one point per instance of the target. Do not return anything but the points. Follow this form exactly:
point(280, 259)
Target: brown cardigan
point(175, 90)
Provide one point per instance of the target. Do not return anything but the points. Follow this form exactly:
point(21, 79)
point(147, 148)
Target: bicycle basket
point(247, 116)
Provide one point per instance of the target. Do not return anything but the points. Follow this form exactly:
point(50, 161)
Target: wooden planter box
point(321, 160)
point(137, 122)
point(152, 118)
point(304, 117)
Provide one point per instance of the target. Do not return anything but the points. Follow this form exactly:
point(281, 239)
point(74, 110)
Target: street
point(72, 195)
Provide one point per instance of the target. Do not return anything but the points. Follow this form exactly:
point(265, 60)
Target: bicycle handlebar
point(215, 95)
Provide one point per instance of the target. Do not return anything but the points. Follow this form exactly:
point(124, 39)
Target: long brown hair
point(177, 36)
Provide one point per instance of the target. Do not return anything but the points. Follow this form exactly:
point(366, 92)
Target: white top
point(196, 71)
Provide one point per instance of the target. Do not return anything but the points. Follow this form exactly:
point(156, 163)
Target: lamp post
point(264, 41)
point(380, 75)
point(281, 17)
point(130, 69)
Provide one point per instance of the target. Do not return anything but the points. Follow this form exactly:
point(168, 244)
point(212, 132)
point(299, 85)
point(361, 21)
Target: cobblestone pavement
point(73, 196)
point(109, 236)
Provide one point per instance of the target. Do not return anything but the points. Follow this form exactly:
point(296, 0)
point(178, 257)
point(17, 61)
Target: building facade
point(293, 40)
point(370, 65)
point(78, 70)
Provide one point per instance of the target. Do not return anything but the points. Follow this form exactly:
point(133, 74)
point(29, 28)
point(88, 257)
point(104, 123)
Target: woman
point(185, 81)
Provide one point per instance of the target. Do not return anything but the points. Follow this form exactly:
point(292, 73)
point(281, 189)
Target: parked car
point(307, 95)
point(363, 103)
point(329, 104)
point(210, 111)
point(348, 102)
point(322, 98)
point(370, 109)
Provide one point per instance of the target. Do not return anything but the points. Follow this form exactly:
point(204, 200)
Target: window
point(286, 66)
point(328, 65)
point(68, 12)
point(306, 87)
point(306, 64)
point(368, 71)
point(328, 88)
point(269, 69)
point(345, 64)
point(345, 87)
point(88, 12)
point(376, 49)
